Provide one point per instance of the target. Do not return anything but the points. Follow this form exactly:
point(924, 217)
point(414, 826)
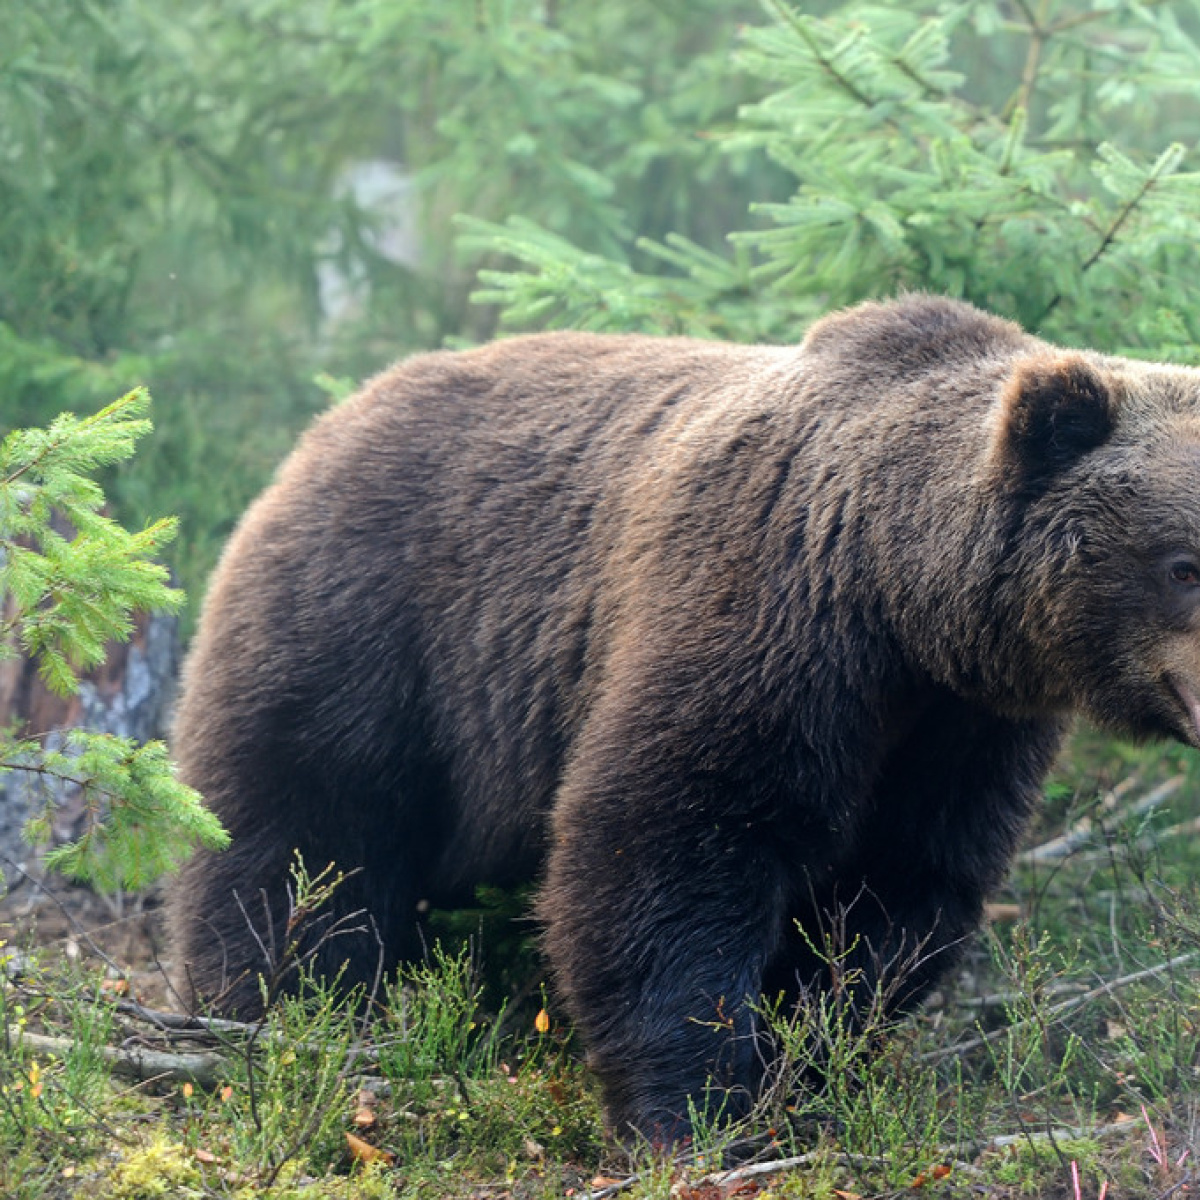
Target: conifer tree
point(63, 597)
point(1037, 159)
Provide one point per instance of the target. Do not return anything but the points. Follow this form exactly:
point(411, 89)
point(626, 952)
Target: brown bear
point(708, 639)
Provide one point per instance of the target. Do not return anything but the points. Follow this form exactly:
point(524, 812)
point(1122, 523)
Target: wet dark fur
point(708, 638)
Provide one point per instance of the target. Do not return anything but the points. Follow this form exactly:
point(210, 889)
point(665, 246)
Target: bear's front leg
point(663, 904)
point(941, 827)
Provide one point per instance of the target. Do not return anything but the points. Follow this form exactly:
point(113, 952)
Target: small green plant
point(843, 1066)
point(312, 924)
point(296, 1093)
point(1033, 1054)
point(50, 1098)
point(434, 1027)
point(457, 1088)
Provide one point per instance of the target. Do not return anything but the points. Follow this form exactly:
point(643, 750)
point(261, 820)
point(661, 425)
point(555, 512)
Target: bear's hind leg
point(238, 918)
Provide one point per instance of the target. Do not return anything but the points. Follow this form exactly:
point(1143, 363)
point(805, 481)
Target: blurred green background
point(250, 205)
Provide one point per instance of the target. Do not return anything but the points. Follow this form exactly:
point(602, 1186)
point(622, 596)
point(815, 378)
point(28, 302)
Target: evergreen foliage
point(176, 194)
point(73, 594)
point(1028, 161)
point(176, 191)
point(63, 596)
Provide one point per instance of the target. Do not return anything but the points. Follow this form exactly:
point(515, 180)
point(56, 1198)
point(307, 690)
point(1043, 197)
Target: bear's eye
point(1185, 572)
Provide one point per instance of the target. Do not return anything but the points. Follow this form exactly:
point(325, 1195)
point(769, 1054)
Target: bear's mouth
point(1190, 703)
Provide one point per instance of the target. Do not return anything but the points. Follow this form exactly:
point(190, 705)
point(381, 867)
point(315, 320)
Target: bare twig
point(1038, 34)
point(1179, 1185)
point(613, 1189)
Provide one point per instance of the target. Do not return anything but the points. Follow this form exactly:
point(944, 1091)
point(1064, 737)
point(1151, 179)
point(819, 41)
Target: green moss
point(1029, 1168)
point(163, 1168)
point(160, 1168)
point(373, 1182)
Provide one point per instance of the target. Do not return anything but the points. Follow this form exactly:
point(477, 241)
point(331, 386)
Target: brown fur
point(708, 638)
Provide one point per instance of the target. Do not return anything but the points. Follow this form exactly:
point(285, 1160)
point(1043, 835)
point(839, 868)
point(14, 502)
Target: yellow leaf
point(542, 1021)
point(365, 1152)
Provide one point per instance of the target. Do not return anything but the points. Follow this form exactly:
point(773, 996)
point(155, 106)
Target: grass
point(1061, 1060)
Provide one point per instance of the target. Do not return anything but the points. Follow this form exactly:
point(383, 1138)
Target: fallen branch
point(775, 1166)
point(1084, 831)
point(753, 1170)
point(1062, 1008)
point(206, 1069)
point(181, 1022)
point(1144, 844)
point(1064, 1134)
point(779, 1165)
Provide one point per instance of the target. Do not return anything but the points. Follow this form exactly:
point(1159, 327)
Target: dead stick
point(1064, 1007)
point(206, 1069)
point(1085, 830)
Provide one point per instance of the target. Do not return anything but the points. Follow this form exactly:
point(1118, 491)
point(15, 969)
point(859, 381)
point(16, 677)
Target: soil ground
point(122, 933)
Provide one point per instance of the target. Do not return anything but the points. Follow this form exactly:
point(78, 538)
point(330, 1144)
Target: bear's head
point(1098, 463)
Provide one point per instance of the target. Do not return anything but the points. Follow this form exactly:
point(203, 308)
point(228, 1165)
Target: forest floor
point(121, 936)
point(1062, 1060)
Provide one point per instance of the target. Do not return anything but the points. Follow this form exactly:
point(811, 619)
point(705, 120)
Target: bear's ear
point(1052, 411)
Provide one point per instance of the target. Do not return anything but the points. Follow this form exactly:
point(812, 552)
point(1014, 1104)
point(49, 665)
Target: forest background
point(251, 205)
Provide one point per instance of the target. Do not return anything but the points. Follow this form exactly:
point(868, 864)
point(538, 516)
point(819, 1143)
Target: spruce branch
point(929, 90)
point(1110, 234)
point(799, 24)
point(1164, 166)
point(65, 597)
point(1075, 20)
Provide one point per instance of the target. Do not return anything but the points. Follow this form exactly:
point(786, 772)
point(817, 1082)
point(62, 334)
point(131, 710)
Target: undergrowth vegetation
point(1061, 1059)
